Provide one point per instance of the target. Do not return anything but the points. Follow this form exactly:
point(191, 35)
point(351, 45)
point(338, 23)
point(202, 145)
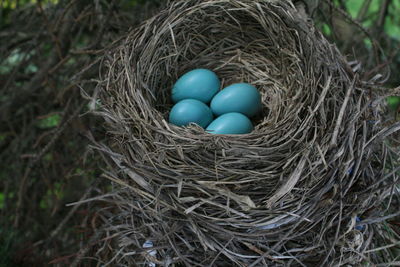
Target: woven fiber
point(286, 194)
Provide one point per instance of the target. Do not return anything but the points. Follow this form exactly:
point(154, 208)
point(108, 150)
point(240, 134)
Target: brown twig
point(32, 162)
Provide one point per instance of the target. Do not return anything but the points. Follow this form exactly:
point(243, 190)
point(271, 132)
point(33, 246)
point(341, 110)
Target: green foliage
point(393, 102)
point(50, 121)
point(2, 199)
point(353, 7)
point(3, 137)
point(12, 4)
point(4, 196)
point(376, 45)
point(326, 29)
point(392, 22)
point(16, 58)
point(48, 157)
point(57, 192)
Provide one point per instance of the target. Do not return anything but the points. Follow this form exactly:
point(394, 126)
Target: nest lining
point(288, 192)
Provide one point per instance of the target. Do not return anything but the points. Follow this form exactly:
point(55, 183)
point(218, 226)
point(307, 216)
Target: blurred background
point(50, 52)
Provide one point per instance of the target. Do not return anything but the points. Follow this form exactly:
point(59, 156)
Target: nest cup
point(284, 194)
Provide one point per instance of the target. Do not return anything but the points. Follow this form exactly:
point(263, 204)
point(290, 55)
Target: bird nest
point(292, 192)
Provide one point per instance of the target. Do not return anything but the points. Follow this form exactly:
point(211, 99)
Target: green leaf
point(392, 26)
point(2, 199)
point(12, 4)
point(49, 121)
point(393, 102)
point(326, 30)
point(48, 157)
point(367, 43)
point(15, 58)
point(353, 7)
point(3, 137)
point(43, 204)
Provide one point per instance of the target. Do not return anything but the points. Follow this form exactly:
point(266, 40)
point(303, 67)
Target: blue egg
point(200, 84)
point(190, 111)
point(230, 123)
point(239, 97)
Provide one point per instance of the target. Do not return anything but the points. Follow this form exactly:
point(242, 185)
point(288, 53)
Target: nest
point(286, 194)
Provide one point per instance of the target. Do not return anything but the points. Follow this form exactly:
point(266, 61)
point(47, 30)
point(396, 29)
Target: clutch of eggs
point(232, 106)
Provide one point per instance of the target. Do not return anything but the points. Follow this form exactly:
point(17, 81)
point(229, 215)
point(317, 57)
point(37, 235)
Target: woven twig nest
point(287, 193)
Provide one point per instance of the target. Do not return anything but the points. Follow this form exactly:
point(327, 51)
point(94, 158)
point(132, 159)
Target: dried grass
point(286, 194)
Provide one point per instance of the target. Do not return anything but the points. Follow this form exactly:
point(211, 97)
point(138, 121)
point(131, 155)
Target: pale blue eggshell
point(239, 97)
point(190, 111)
point(230, 123)
point(200, 84)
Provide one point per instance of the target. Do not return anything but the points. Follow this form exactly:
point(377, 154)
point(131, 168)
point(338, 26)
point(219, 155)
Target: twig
point(382, 15)
point(82, 252)
point(32, 162)
point(69, 215)
point(363, 10)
